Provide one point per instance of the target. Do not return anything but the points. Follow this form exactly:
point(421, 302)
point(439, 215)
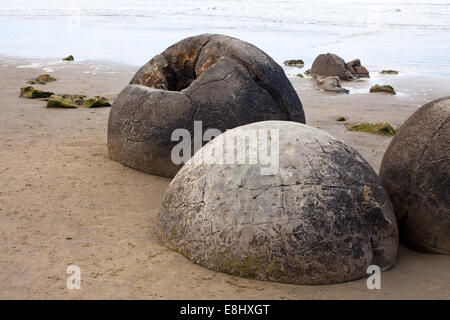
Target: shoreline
point(63, 201)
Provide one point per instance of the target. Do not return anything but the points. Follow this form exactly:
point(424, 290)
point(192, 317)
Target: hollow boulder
point(321, 217)
point(222, 81)
point(415, 172)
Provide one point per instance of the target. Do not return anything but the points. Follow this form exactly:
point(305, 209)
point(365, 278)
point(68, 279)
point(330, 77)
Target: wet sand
point(62, 201)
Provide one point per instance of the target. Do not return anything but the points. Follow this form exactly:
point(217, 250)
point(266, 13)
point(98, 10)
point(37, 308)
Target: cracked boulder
point(415, 172)
point(222, 81)
point(321, 217)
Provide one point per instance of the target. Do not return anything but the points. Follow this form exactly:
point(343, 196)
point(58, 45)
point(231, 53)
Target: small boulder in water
point(330, 65)
point(357, 69)
point(69, 58)
point(33, 93)
point(382, 88)
point(294, 63)
point(392, 72)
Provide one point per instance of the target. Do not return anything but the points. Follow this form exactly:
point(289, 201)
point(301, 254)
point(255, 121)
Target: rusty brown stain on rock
point(209, 63)
point(367, 195)
point(154, 79)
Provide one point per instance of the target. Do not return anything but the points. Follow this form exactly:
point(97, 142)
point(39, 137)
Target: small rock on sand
point(330, 83)
point(384, 129)
point(33, 93)
point(42, 79)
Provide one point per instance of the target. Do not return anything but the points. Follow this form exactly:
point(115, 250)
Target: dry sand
point(62, 201)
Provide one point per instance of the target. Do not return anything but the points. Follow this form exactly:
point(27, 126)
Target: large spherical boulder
point(321, 217)
point(222, 81)
point(415, 172)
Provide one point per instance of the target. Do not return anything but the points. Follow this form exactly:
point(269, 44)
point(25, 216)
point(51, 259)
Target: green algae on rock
point(33, 93)
point(69, 58)
point(57, 101)
point(381, 128)
point(382, 88)
point(97, 102)
point(75, 101)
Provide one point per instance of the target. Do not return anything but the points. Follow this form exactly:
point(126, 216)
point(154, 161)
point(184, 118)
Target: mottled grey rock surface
point(222, 81)
point(416, 175)
point(330, 83)
point(322, 218)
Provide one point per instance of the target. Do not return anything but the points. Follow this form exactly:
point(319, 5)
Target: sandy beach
point(63, 201)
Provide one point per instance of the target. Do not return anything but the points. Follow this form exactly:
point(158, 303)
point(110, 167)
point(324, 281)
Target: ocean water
point(410, 36)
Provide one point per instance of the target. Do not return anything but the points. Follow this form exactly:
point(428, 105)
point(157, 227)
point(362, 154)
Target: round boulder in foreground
point(321, 217)
point(416, 175)
point(222, 81)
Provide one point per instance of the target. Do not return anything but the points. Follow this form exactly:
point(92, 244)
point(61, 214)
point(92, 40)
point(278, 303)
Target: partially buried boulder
point(222, 81)
point(320, 217)
point(415, 172)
